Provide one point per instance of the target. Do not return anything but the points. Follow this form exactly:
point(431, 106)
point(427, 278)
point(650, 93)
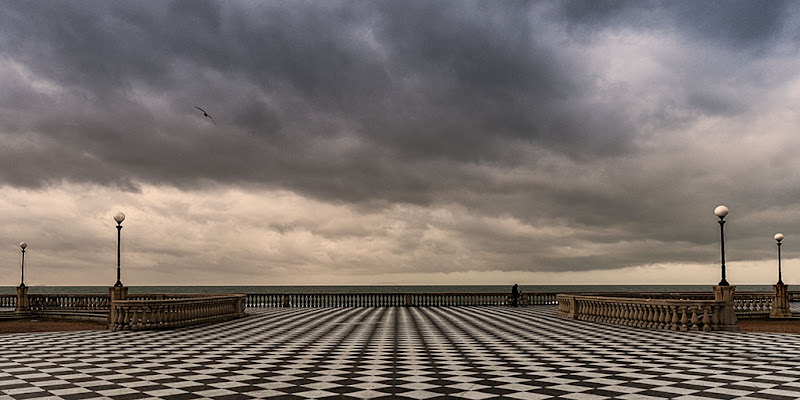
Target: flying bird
point(205, 114)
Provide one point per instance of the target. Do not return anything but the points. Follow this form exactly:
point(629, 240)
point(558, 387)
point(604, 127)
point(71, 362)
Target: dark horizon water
point(293, 289)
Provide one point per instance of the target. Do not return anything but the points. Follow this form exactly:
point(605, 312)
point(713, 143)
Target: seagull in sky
point(205, 114)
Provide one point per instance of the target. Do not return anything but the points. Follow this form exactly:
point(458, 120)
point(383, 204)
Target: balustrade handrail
point(645, 301)
point(186, 300)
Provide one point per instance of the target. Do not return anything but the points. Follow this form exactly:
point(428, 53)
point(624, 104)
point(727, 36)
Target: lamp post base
point(780, 304)
point(727, 319)
point(23, 306)
point(115, 293)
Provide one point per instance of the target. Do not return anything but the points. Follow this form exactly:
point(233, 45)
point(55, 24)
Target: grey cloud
point(386, 102)
point(737, 23)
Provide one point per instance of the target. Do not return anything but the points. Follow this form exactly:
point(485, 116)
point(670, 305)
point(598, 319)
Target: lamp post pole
point(119, 217)
point(778, 238)
point(721, 212)
point(22, 246)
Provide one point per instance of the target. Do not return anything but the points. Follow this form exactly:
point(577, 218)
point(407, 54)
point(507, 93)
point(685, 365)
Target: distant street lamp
point(778, 238)
point(721, 212)
point(22, 246)
point(119, 217)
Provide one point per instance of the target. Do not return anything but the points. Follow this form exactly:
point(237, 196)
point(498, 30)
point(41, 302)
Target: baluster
point(706, 319)
point(635, 314)
point(649, 316)
point(666, 317)
point(598, 311)
point(660, 312)
point(675, 319)
point(614, 313)
point(657, 316)
point(643, 316)
point(652, 316)
point(632, 309)
point(135, 317)
point(656, 322)
point(613, 309)
point(116, 323)
point(695, 320)
point(684, 319)
point(158, 315)
point(641, 322)
point(143, 322)
point(624, 314)
point(587, 307)
point(607, 309)
point(127, 318)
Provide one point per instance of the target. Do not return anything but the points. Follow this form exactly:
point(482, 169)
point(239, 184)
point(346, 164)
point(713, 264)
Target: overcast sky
point(399, 142)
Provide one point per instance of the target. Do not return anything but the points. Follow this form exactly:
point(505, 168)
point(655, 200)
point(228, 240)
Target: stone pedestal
point(727, 319)
point(23, 306)
point(780, 305)
point(118, 293)
point(115, 293)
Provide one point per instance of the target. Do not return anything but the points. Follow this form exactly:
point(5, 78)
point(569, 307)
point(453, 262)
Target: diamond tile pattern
point(412, 353)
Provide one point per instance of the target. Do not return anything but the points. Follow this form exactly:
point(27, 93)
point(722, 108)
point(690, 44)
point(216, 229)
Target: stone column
point(115, 293)
point(728, 320)
point(241, 305)
point(23, 306)
point(780, 305)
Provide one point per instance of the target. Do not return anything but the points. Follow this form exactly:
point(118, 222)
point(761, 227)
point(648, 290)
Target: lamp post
point(778, 237)
point(22, 246)
point(721, 212)
point(119, 217)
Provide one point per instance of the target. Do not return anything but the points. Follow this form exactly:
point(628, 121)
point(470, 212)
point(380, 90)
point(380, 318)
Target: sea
point(286, 289)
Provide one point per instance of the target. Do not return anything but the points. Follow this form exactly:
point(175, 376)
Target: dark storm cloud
point(740, 23)
point(505, 108)
point(416, 81)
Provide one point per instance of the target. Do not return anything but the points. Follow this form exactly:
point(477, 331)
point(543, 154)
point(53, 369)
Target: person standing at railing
point(515, 295)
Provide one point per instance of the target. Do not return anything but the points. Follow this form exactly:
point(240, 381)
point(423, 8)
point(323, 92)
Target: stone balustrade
point(8, 301)
point(171, 313)
point(753, 305)
point(666, 314)
point(393, 299)
point(100, 302)
point(67, 302)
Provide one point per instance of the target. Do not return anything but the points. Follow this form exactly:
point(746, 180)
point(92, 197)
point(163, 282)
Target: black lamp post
point(721, 212)
point(119, 217)
point(778, 238)
point(22, 246)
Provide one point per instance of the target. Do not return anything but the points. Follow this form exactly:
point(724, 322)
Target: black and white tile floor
point(417, 353)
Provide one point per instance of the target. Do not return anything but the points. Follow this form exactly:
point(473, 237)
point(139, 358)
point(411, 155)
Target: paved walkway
point(420, 353)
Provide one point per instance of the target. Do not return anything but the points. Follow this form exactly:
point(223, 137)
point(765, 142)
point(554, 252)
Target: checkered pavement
point(417, 353)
